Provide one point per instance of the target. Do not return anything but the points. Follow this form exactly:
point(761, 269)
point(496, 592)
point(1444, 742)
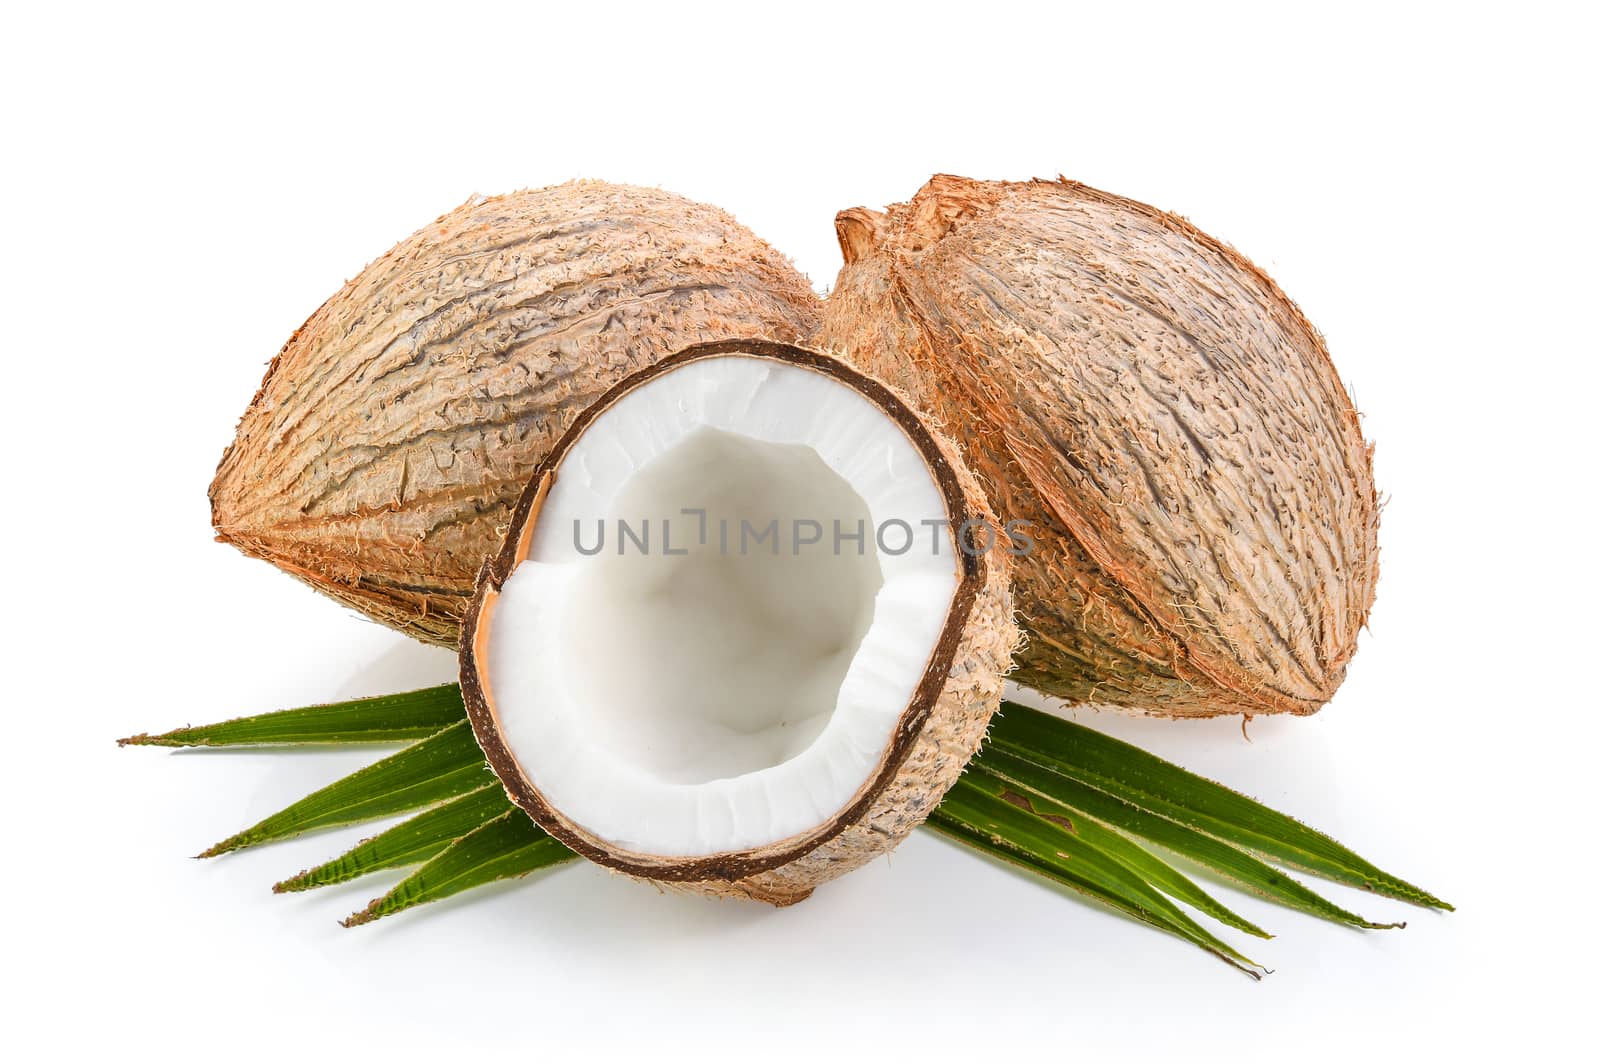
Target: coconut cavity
point(703, 646)
point(739, 632)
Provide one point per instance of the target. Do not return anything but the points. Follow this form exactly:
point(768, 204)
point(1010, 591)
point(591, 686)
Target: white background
point(181, 188)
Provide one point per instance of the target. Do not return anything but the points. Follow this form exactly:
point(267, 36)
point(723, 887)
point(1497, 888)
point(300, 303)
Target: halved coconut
point(748, 625)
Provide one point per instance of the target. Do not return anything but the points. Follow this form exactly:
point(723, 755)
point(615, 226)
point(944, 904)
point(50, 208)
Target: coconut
point(1198, 493)
point(380, 459)
point(748, 624)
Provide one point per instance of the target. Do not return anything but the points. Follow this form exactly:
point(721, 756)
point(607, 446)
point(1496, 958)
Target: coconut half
point(748, 624)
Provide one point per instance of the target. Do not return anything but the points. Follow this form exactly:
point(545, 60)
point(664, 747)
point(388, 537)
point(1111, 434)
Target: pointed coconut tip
point(938, 731)
point(860, 232)
point(941, 205)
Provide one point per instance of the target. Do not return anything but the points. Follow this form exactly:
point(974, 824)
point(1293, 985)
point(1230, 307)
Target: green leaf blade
point(443, 766)
point(1152, 868)
point(1159, 786)
point(385, 719)
point(509, 846)
point(410, 842)
point(995, 826)
point(1220, 857)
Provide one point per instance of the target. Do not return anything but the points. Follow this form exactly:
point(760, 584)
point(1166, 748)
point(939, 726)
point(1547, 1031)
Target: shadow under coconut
point(405, 666)
point(575, 905)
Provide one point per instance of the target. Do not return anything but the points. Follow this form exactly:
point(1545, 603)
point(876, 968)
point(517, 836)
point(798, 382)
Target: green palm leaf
point(1056, 798)
point(1159, 786)
point(409, 842)
point(385, 719)
point(1001, 829)
point(509, 845)
point(1151, 868)
point(442, 766)
point(1229, 862)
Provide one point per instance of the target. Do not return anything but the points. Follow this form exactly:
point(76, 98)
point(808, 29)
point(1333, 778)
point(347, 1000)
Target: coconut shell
point(938, 733)
point(393, 433)
point(1198, 488)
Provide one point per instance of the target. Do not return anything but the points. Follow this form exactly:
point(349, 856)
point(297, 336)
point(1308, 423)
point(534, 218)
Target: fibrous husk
point(937, 734)
point(380, 459)
point(1198, 487)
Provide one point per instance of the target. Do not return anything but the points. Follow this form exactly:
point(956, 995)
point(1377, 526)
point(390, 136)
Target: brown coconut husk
point(395, 430)
point(1167, 420)
point(938, 732)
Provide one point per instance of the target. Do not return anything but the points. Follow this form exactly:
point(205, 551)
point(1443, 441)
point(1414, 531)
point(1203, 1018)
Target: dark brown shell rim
point(732, 865)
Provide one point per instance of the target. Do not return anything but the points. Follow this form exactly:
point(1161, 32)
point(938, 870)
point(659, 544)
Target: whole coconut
point(1198, 491)
point(380, 459)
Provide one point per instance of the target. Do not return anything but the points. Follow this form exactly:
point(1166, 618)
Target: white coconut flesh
point(744, 688)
